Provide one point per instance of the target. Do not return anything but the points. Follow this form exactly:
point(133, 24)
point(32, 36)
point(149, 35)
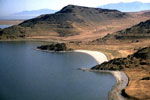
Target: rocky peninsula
point(136, 66)
point(56, 47)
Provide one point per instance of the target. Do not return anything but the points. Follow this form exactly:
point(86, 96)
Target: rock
point(55, 47)
point(146, 78)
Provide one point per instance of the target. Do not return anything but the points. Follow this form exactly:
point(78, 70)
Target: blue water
point(4, 26)
point(28, 74)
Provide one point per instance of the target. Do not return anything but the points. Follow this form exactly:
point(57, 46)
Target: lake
point(4, 26)
point(29, 74)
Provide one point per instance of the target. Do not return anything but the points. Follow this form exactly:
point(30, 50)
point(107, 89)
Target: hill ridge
point(138, 31)
point(128, 6)
point(63, 23)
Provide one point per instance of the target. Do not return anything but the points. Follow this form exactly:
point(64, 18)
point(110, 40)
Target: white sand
point(122, 81)
point(121, 77)
point(98, 56)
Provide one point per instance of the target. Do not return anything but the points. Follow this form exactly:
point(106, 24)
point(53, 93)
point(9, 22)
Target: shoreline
point(121, 83)
point(121, 78)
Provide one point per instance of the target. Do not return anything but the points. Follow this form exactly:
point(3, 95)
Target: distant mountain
point(67, 22)
point(29, 14)
point(35, 12)
point(127, 7)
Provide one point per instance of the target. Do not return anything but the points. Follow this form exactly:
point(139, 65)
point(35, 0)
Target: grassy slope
point(75, 23)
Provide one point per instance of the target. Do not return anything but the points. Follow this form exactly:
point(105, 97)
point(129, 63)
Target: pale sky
point(13, 6)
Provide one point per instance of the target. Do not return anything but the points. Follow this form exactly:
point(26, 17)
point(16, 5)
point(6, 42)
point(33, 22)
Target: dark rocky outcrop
point(138, 59)
point(55, 47)
point(64, 22)
point(146, 78)
point(146, 13)
point(141, 28)
point(139, 31)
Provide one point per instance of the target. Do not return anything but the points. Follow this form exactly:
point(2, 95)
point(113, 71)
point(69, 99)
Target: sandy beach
point(121, 77)
point(98, 56)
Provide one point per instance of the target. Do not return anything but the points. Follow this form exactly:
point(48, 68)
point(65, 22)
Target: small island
point(56, 47)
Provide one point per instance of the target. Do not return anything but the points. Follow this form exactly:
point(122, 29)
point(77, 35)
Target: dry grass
point(113, 50)
point(138, 88)
point(90, 30)
point(7, 22)
point(99, 30)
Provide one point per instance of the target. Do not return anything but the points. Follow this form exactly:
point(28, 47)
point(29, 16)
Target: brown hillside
point(137, 67)
point(138, 59)
point(74, 23)
point(139, 31)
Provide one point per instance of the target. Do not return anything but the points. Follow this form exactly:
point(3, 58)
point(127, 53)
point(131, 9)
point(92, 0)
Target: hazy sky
point(13, 6)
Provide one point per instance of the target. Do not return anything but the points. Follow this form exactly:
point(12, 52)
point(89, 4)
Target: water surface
point(28, 74)
point(4, 26)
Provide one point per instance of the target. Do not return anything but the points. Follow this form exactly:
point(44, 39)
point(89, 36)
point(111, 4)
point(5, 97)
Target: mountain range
point(28, 14)
point(127, 7)
point(65, 22)
point(74, 23)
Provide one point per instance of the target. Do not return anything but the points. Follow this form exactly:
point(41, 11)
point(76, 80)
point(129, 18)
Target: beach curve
point(98, 56)
point(121, 77)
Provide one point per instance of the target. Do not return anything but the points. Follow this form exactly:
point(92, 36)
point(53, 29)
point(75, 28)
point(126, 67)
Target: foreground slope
point(141, 30)
point(139, 59)
point(137, 67)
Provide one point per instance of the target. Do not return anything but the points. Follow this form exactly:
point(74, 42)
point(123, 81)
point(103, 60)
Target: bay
point(29, 74)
